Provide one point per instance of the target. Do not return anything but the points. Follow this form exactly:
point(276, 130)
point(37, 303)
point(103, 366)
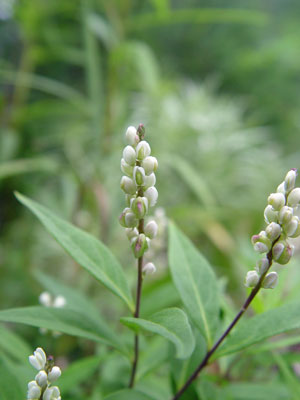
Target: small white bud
point(150, 164)
point(290, 179)
point(281, 188)
point(149, 268)
point(38, 359)
point(294, 198)
point(276, 200)
point(261, 243)
point(151, 229)
point(132, 136)
point(131, 233)
point(41, 378)
point(143, 150)
point(262, 265)
point(54, 374)
point(139, 245)
point(34, 391)
point(129, 155)
point(126, 168)
point(52, 393)
point(282, 252)
point(252, 279)
point(130, 220)
point(150, 180)
point(285, 215)
point(152, 195)
point(139, 206)
point(273, 231)
point(139, 176)
point(59, 301)
point(45, 299)
point(270, 215)
point(127, 185)
point(270, 280)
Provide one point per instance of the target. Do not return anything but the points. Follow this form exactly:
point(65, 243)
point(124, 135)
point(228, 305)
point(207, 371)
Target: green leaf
point(128, 394)
point(74, 298)
point(14, 345)
point(257, 391)
point(63, 320)
point(89, 252)
point(263, 326)
point(172, 324)
point(9, 386)
point(78, 372)
point(195, 282)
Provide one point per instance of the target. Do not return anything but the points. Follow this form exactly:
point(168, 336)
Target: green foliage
point(172, 324)
point(196, 283)
point(85, 249)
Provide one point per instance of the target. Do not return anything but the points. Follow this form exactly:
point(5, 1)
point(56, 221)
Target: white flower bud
point(261, 243)
point(139, 206)
point(150, 164)
point(273, 231)
point(34, 391)
point(41, 379)
point(276, 200)
point(38, 359)
point(281, 188)
point(262, 265)
point(270, 215)
point(252, 279)
point(150, 180)
point(270, 280)
point(285, 215)
point(131, 233)
point(152, 195)
point(151, 229)
point(143, 150)
point(126, 168)
point(289, 180)
point(129, 155)
point(52, 393)
point(139, 245)
point(149, 268)
point(59, 302)
point(45, 299)
point(132, 136)
point(139, 176)
point(282, 252)
point(127, 185)
point(130, 220)
point(54, 374)
point(294, 198)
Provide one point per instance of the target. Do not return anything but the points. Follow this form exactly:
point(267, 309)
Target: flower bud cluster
point(47, 300)
point(41, 387)
point(138, 184)
point(282, 223)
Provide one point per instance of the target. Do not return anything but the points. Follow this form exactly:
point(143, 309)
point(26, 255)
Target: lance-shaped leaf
point(89, 252)
point(63, 320)
point(128, 394)
point(195, 282)
point(263, 326)
point(172, 324)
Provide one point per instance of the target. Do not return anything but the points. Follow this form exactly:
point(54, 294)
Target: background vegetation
point(216, 84)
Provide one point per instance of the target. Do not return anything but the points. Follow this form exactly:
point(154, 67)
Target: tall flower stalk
point(138, 184)
point(282, 223)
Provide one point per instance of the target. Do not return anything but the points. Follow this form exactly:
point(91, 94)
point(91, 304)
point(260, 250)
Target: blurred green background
point(216, 84)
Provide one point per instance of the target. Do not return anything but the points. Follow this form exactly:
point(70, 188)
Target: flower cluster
point(138, 184)
point(282, 224)
point(48, 373)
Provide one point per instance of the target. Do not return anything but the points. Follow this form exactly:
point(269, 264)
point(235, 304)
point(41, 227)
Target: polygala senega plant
point(138, 184)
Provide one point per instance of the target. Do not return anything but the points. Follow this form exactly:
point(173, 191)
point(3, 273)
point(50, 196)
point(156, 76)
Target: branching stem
point(210, 352)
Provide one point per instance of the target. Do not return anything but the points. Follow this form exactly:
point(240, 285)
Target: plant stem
point(137, 310)
point(210, 352)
